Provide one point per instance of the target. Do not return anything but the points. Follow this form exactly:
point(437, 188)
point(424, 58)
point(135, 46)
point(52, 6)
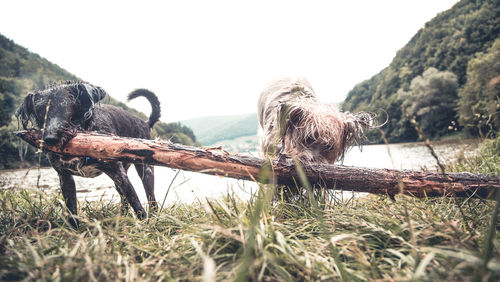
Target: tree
point(175, 132)
point(431, 100)
point(7, 107)
point(479, 99)
point(447, 42)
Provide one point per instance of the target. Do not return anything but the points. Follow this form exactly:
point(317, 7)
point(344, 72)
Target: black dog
point(61, 110)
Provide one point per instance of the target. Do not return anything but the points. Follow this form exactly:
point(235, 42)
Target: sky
point(211, 58)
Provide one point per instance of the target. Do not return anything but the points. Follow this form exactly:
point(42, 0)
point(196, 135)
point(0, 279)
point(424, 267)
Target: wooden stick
point(215, 161)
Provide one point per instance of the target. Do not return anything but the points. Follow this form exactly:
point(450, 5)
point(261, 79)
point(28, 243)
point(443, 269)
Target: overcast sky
point(205, 58)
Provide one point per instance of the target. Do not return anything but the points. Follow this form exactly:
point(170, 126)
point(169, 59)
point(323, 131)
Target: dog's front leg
point(68, 189)
point(118, 174)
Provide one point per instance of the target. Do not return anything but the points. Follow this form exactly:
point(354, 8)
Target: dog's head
point(314, 132)
point(59, 108)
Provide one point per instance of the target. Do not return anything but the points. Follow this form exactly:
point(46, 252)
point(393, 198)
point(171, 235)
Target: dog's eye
point(310, 140)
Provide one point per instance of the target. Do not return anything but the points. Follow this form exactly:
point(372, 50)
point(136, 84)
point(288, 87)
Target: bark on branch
point(218, 162)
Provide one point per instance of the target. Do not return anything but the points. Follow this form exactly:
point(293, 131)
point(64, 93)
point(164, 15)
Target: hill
point(428, 76)
point(22, 71)
point(210, 130)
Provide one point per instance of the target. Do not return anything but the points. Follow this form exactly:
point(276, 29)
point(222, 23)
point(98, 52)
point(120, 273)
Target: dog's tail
point(153, 100)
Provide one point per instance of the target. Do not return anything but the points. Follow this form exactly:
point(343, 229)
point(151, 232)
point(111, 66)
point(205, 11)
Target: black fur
point(74, 107)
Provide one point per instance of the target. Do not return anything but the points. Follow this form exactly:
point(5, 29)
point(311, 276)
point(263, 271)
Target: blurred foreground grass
point(360, 238)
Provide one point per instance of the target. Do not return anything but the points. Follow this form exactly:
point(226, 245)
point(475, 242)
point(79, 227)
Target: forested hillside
point(446, 77)
point(22, 71)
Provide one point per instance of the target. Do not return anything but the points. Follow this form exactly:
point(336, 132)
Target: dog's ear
point(26, 110)
point(288, 115)
point(89, 94)
point(86, 96)
point(96, 92)
point(296, 115)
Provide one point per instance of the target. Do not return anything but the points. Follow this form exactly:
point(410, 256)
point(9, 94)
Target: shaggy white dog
point(294, 124)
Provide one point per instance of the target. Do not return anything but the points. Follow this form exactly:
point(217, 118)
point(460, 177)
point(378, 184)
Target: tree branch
point(218, 162)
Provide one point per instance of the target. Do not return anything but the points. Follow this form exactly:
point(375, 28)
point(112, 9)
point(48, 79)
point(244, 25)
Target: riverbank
point(230, 238)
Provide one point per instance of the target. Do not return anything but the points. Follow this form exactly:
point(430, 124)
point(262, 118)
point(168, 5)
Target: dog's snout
point(50, 139)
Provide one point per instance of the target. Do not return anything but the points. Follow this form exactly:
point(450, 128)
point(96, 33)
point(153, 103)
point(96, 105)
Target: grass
point(486, 162)
point(358, 238)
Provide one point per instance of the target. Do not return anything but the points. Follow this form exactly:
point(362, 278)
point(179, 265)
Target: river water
point(188, 187)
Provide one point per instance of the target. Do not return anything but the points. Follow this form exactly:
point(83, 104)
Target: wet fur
point(73, 107)
point(294, 124)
